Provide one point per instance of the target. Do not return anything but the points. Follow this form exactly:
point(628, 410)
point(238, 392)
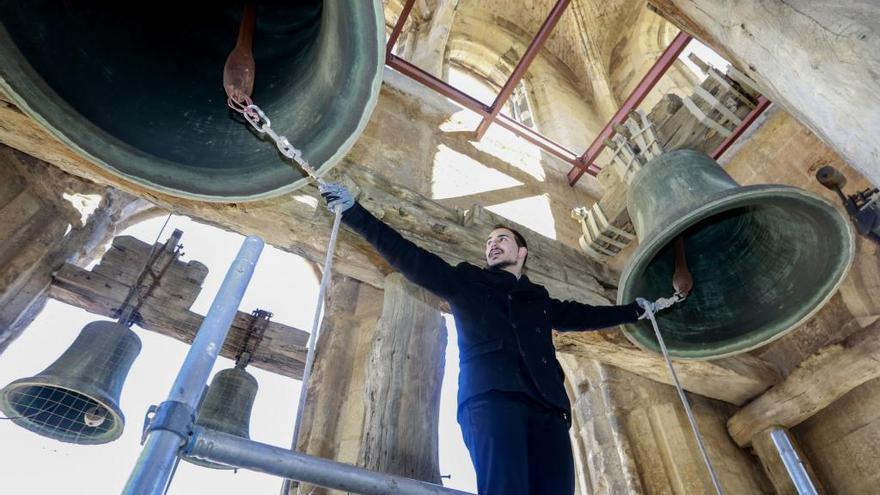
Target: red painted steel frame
point(669, 56)
point(749, 119)
point(398, 28)
point(480, 108)
point(523, 65)
point(437, 85)
point(491, 113)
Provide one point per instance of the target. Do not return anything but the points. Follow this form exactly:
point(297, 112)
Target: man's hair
point(520, 240)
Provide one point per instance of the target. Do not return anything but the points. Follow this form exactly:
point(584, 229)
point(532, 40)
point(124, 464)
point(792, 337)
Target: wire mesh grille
point(60, 413)
point(76, 398)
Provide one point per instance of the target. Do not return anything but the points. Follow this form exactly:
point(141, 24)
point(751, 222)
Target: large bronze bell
point(763, 258)
point(227, 407)
point(137, 87)
point(76, 399)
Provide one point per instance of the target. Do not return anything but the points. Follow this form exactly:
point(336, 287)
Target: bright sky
point(283, 284)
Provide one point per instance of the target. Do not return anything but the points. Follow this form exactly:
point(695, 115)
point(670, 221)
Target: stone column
point(818, 60)
point(403, 377)
point(333, 419)
point(605, 463)
point(374, 395)
point(429, 42)
point(635, 438)
point(41, 229)
point(861, 288)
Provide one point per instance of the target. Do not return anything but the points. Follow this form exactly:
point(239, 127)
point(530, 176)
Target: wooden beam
point(282, 351)
point(297, 223)
point(404, 370)
point(735, 379)
point(813, 385)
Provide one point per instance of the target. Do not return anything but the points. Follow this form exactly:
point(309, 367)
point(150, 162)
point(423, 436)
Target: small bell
point(227, 407)
point(76, 399)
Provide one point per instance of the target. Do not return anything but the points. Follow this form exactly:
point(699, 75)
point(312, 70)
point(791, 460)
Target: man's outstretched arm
point(570, 316)
point(418, 265)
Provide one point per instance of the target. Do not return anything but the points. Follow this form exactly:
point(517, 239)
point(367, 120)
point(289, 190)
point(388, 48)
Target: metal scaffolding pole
point(794, 465)
point(214, 446)
point(169, 427)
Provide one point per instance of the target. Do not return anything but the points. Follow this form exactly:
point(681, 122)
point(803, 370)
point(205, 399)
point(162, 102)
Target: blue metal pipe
point(230, 450)
point(794, 465)
point(155, 466)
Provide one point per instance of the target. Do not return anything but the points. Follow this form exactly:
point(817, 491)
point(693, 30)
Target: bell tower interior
point(630, 142)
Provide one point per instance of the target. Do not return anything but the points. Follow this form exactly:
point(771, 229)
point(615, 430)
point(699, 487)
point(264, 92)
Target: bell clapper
point(238, 72)
point(682, 281)
point(94, 416)
point(238, 81)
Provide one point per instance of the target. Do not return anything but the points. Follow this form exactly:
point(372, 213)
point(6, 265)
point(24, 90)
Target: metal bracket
point(173, 416)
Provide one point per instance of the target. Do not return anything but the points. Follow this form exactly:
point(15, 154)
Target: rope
point(14, 418)
point(313, 337)
point(664, 303)
point(255, 116)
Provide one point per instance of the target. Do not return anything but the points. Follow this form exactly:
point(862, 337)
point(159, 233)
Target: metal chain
point(134, 316)
point(259, 121)
point(663, 303)
point(255, 331)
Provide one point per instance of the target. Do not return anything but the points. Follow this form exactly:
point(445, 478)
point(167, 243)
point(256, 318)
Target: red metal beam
point(479, 108)
point(537, 139)
point(523, 65)
point(747, 122)
point(398, 28)
point(491, 113)
point(471, 103)
point(585, 162)
point(437, 85)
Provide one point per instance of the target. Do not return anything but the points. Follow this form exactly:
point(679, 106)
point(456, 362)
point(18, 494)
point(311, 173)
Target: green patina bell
point(138, 87)
point(763, 258)
point(227, 407)
point(76, 399)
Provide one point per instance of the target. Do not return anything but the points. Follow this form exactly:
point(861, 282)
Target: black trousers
point(518, 445)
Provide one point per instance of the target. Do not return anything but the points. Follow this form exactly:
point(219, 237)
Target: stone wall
point(631, 435)
point(843, 441)
point(818, 60)
point(419, 140)
point(783, 151)
point(47, 218)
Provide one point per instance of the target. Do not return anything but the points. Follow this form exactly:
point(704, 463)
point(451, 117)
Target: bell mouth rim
point(744, 196)
point(22, 89)
point(25, 422)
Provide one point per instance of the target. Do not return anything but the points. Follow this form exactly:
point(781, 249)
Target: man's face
point(501, 249)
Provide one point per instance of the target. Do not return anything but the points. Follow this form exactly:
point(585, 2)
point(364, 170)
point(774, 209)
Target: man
point(513, 409)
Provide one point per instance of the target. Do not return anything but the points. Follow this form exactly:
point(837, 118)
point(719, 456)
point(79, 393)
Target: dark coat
point(504, 323)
